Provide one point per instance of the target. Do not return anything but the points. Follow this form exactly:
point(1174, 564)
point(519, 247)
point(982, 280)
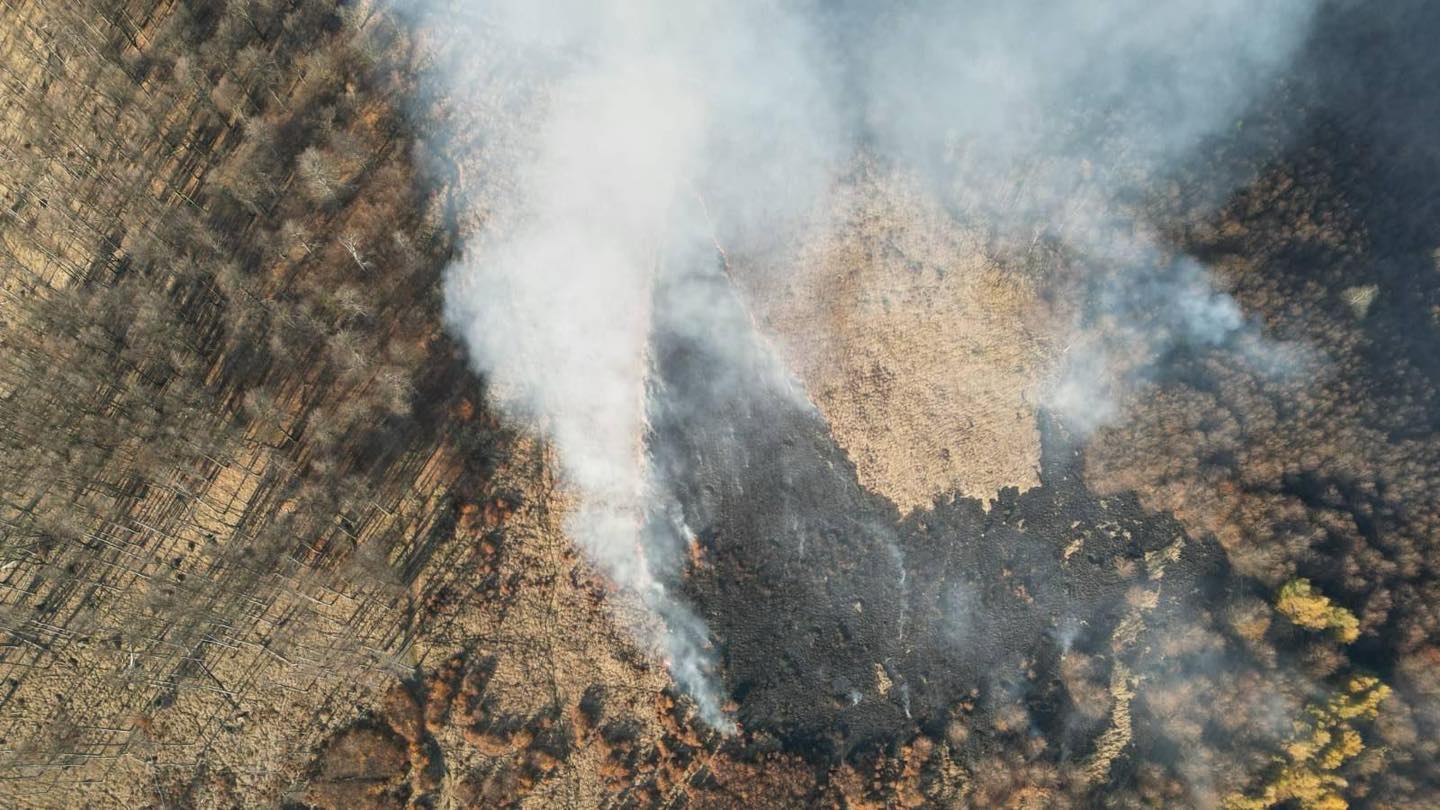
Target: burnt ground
point(813, 587)
point(843, 629)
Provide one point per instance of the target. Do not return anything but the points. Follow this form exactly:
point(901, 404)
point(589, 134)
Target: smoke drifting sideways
point(631, 112)
point(1049, 119)
point(603, 145)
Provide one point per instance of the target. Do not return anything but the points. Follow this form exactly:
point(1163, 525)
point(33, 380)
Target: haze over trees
point(263, 542)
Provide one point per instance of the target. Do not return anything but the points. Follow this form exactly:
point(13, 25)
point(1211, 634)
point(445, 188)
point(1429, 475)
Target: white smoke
point(601, 143)
point(1048, 118)
point(648, 120)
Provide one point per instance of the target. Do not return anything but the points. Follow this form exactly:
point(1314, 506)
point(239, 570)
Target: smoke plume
point(603, 146)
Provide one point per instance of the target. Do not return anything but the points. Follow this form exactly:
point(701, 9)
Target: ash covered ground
point(842, 625)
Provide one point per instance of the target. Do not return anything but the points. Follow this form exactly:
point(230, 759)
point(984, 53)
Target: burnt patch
point(841, 626)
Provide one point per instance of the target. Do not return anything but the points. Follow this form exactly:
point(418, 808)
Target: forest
point(265, 540)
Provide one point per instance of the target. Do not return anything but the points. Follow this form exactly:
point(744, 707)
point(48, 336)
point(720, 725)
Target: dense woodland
point(1321, 483)
point(241, 462)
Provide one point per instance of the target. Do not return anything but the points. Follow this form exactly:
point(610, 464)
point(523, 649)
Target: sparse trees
point(195, 418)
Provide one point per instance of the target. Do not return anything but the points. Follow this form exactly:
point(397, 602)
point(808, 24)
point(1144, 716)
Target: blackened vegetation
point(218, 268)
point(841, 626)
